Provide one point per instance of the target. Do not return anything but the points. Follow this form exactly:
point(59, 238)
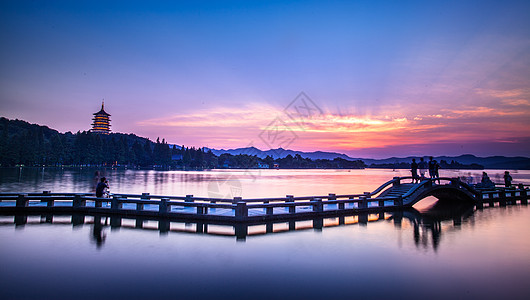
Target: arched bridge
point(444, 188)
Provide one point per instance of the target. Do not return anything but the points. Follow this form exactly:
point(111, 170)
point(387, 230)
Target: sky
point(370, 79)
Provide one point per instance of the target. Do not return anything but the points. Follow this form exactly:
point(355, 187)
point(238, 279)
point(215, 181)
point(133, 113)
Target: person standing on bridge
point(414, 171)
point(507, 179)
point(437, 170)
point(431, 167)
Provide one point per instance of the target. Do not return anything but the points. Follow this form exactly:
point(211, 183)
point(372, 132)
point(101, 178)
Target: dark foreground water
point(437, 252)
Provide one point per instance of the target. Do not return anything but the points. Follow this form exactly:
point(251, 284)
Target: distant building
point(101, 120)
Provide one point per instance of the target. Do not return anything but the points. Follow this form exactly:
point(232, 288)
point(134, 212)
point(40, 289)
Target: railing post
point(363, 204)
point(22, 200)
point(115, 204)
point(332, 197)
point(163, 207)
point(241, 210)
point(524, 196)
point(49, 201)
point(502, 198)
point(290, 198)
point(480, 201)
point(78, 202)
point(269, 210)
point(98, 203)
point(200, 210)
point(317, 205)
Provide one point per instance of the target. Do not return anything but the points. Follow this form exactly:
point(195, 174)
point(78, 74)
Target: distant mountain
point(492, 162)
point(32, 144)
point(281, 153)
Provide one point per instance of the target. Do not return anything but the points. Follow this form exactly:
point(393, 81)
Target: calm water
point(434, 252)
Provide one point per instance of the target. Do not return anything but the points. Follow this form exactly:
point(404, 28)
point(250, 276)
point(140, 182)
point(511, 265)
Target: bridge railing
point(238, 208)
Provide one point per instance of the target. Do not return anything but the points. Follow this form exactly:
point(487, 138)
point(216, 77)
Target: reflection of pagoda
point(101, 121)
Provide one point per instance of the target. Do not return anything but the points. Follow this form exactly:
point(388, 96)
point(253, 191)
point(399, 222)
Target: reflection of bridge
point(393, 195)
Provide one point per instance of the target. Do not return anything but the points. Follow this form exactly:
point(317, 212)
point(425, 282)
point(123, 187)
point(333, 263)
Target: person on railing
point(414, 171)
point(507, 179)
point(102, 187)
point(486, 182)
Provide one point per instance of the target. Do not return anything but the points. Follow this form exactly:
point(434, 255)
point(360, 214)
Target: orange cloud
point(232, 127)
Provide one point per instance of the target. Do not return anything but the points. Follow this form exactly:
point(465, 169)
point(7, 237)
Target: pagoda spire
point(101, 121)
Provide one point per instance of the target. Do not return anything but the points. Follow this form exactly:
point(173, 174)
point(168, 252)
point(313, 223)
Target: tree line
point(22, 143)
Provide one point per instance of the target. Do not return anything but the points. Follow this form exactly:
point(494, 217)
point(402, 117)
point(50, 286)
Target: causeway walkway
point(396, 194)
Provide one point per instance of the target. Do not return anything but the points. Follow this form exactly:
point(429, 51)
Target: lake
point(434, 251)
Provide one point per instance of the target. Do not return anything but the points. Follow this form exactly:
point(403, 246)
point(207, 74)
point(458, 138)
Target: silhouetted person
point(507, 179)
point(431, 168)
point(437, 170)
point(102, 185)
point(486, 182)
point(414, 171)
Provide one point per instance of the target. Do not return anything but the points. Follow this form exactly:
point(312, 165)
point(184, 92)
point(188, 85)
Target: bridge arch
point(444, 189)
point(446, 193)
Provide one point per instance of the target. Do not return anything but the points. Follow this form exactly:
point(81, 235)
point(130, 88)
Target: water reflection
point(426, 225)
point(98, 231)
point(480, 254)
point(269, 183)
point(430, 221)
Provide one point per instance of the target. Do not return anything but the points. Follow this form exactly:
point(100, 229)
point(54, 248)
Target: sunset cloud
point(443, 78)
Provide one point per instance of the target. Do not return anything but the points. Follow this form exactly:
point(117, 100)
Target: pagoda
point(101, 121)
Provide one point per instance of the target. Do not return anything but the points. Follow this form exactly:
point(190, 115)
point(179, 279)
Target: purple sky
point(385, 78)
